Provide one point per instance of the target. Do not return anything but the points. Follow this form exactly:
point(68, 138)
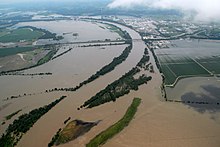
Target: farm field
point(189, 58)
point(19, 34)
point(15, 58)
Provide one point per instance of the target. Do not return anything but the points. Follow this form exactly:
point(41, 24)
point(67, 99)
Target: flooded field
point(197, 85)
point(187, 58)
point(191, 73)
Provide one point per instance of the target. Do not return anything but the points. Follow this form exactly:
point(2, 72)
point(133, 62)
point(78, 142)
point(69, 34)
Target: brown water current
point(69, 106)
point(156, 123)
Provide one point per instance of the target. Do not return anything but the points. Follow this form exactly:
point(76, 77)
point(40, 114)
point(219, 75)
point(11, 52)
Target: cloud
point(126, 3)
point(208, 10)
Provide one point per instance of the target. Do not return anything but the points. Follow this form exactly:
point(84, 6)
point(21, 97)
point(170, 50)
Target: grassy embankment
point(102, 138)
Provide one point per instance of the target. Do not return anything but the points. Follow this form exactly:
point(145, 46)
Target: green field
point(14, 50)
point(19, 34)
point(107, 134)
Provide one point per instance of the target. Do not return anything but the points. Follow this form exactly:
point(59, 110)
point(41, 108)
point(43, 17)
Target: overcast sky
point(207, 10)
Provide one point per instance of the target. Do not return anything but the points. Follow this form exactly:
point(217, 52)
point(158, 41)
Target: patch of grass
point(12, 114)
point(21, 34)
point(71, 131)
point(102, 138)
point(14, 50)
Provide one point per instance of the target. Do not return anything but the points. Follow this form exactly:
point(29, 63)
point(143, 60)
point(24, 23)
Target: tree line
point(119, 87)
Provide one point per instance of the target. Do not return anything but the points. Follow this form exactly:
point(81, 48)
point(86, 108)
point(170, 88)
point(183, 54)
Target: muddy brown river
point(156, 123)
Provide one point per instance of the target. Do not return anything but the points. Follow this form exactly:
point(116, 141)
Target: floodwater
point(73, 31)
point(68, 71)
point(193, 85)
point(156, 123)
point(108, 113)
point(181, 50)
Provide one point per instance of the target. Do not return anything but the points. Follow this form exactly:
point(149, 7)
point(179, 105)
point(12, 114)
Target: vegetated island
point(24, 122)
point(107, 134)
point(71, 131)
point(121, 86)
